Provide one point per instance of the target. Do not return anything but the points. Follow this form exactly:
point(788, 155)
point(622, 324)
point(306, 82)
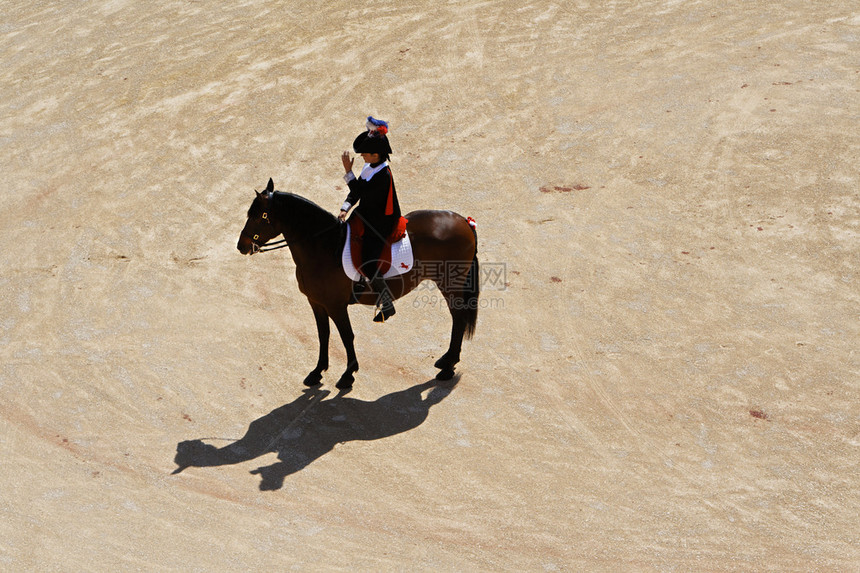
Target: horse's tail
point(472, 289)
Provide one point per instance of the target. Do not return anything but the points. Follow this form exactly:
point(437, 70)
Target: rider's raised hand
point(347, 161)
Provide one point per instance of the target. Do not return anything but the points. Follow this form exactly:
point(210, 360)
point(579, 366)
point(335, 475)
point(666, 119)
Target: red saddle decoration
point(356, 234)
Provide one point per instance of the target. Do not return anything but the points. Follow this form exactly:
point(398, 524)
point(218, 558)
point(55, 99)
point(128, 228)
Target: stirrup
point(385, 313)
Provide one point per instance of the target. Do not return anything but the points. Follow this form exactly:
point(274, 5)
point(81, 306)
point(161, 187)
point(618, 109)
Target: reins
point(283, 242)
point(273, 246)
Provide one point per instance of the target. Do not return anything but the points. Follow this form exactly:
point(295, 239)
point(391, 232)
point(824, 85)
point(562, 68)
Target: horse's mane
point(305, 218)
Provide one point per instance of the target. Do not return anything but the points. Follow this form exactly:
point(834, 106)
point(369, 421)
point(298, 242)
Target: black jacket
point(377, 202)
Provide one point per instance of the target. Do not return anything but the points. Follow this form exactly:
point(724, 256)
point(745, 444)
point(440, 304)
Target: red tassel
point(389, 205)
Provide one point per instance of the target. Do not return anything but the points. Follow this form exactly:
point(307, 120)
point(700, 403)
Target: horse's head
point(259, 229)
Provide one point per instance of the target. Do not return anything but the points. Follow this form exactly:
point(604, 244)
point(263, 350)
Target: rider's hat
point(374, 140)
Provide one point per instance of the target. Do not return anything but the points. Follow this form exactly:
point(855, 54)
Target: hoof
point(313, 379)
point(445, 374)
point(445, 363)
point(345, 382)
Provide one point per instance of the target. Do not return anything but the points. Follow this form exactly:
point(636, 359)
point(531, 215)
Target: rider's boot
point(385, 302)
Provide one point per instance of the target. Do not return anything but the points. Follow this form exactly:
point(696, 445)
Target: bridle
point(270, 246)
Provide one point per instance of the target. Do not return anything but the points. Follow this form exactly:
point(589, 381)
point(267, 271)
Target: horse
point(445, 248)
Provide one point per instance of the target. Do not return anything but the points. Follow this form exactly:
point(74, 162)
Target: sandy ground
point(665, 372)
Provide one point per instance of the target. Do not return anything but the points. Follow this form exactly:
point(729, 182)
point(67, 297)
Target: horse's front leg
point(341, 321)
point(321, 317)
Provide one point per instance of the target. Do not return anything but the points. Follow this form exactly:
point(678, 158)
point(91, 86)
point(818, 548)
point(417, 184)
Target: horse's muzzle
point(247, 247)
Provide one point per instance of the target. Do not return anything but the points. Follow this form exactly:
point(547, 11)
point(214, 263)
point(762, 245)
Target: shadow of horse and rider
point(311, 426)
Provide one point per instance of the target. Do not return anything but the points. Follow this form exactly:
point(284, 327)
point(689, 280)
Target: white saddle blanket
point(402, 259)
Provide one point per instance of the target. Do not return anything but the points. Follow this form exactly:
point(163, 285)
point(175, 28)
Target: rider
point(377, 208)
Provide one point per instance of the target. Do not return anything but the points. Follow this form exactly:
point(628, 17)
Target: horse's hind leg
point(323, 330)
point(447, 361)
point(461, 294)
point(341, 321)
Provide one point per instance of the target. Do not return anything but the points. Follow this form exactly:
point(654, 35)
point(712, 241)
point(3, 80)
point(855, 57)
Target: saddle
point(396, 257)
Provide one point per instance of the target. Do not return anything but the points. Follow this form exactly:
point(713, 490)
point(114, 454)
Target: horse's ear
point(270, 188)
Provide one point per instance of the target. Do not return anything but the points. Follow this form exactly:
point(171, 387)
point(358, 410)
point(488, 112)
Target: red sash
point(389, 204)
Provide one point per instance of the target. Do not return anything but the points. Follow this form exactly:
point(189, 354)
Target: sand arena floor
point(665, 371)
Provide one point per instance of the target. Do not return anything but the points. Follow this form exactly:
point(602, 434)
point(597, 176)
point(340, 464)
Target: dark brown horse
point(445, 250)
